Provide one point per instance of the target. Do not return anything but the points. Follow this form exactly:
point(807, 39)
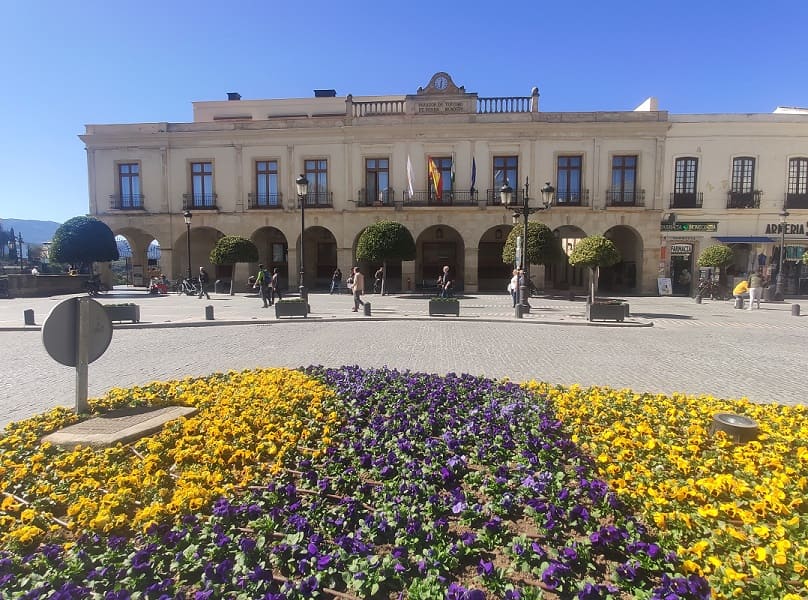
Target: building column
point(407, 275)
point(470, 282)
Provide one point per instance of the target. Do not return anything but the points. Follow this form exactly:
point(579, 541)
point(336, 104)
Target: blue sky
point(67, 64)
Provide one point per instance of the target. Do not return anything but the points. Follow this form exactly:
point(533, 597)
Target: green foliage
point(385, 240)
point(717, 255)
point(83, 240)
point(542, 246)
point(594, 251)
point(232, 249)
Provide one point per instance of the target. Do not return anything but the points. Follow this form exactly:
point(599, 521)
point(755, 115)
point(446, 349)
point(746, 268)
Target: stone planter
point(123, 312)
point(606, 312)
point(291, 309)
point(449, 306)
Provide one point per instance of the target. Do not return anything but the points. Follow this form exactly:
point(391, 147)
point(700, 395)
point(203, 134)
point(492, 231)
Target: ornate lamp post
point(302, 190)
point(187, 216)
point(11, 243)
point(778, 287)
point(524, 210)
point(19, 249)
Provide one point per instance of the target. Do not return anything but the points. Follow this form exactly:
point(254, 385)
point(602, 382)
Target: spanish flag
point(434, 174)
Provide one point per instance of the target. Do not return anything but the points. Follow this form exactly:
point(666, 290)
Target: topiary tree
point(232, 249)
point(82, 241)
point(383, 241)
point(716, 256)
point(594, 251)
point(542, 246)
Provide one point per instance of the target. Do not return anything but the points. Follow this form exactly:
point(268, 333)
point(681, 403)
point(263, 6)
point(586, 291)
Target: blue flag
point(473, 174)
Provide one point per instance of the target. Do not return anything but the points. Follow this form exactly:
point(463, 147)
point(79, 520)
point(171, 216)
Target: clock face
point(441, 83)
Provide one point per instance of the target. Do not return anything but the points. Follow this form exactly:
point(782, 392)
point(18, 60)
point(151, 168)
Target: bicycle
point(189, 287)
point(708, 288)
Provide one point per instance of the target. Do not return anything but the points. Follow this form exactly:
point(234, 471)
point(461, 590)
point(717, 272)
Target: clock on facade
point(441, 82)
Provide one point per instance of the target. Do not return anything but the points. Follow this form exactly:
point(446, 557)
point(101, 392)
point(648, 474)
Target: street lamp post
point(525, 210)
point(187, 216)
point(19, 249)
point(302, 190)
point(778, 288)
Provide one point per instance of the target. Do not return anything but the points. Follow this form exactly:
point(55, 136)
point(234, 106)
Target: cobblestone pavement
point(692, 348)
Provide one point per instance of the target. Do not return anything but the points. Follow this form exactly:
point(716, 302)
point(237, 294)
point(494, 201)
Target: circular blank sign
point(60, 331)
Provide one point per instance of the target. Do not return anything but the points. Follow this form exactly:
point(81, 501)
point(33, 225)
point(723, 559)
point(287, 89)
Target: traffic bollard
point(29, 316)
point(367, 309)
point(518, 311)
point(795, 310)
point(209, 312)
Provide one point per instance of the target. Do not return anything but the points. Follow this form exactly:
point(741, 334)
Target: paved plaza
point(667, 345)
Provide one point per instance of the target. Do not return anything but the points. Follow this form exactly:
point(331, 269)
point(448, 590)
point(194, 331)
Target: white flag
point(409, 176)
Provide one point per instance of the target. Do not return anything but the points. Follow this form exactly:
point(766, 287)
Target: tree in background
point(232, 249)
point(594, 251)
point(81, 241)
point(383, 241)
point(717, 256)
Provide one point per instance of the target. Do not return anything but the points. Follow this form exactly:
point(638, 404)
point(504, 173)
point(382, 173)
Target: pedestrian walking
point(203, 283)
point(336, 280)
point(755, 288)
point(445, 283)
point(358, 288)
point(377, 280)
point(513, 287)
point(263, 283)
point(275, 286)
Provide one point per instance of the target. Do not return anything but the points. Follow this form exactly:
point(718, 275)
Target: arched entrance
point(134, 265)
point(561, 275)
point(273, 253)
point(492, 273)
point(320, 256)
point(624, 277)
point(436, 247)
point(392, 278)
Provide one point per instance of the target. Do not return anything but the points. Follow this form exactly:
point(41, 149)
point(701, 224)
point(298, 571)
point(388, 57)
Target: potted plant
point(384, 241)
point(291, 307)
point(715, 256)
point(123, 312)
point(232, 249)
point(594, 252)
point(444, 306)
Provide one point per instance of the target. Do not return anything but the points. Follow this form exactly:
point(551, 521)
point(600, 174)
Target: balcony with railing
point(686, 199)
point(798, 200)
point(743, 199)
point(572, 198)
point(428, 198)
point(625, 198)
point(384, 198)
point(199, 202)
point(319, 200)
point(126, 202)
point(264, 201)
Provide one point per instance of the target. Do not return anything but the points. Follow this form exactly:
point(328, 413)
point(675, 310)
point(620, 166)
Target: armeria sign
point(790, 228)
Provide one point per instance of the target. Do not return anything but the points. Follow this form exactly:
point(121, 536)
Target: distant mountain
point(34, 232)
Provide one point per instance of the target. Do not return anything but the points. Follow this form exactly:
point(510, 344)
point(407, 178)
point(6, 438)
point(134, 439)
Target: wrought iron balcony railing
point(199, 201)
point(126, 202)
point(622, 198)
point(686, 199)
point(797, 200)
point(743, 199)
point(264, 201)
point(384, 198)
point(572, 198)
point(319, 200)
point(492, 197)
point(428, 198)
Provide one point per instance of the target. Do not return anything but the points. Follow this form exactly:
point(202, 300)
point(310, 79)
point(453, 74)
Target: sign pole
point(82, 345)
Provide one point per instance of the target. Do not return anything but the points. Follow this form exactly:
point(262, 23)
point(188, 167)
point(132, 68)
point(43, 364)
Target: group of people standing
point(754, 285)
point(268, 285)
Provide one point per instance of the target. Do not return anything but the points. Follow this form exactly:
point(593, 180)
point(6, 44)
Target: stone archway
point(273, 253)
point(561, 275)
point(626, 275)
point(138, 263)
point(436, 247)
point(393, 278)
point(320, 257)
point(493, 274)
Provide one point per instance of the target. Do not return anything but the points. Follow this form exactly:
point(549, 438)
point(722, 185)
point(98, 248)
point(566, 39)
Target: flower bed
point(349, 483)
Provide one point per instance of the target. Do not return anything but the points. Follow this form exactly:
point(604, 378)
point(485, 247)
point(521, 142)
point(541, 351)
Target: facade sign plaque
point(690, 226)
point(681, 249)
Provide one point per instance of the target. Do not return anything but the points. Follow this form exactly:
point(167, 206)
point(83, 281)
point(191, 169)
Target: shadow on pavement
point(660, 316)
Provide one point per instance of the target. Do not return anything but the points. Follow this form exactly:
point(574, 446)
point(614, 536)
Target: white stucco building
point(661, 186)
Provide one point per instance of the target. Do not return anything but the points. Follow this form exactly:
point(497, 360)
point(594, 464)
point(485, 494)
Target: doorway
point(682, 274)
